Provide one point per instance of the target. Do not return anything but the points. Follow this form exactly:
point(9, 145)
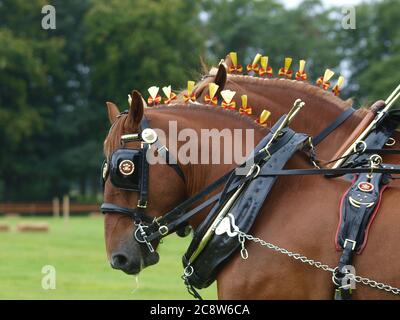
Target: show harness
point(239, 203)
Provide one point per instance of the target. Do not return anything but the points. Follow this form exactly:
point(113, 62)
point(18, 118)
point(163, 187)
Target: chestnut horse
point(300, 214)
point(276, 94)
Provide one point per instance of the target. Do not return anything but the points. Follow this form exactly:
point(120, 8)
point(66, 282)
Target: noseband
point(128, 169)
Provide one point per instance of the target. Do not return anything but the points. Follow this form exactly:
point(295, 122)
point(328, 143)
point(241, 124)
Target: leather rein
point(150, 228)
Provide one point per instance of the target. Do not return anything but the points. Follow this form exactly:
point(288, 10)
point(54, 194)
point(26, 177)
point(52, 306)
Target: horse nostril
point(119, 260)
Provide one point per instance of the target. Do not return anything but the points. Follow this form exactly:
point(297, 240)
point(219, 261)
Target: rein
point(157, 228)
point(150, 229)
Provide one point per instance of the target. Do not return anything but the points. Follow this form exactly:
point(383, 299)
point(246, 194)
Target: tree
point(373, 49)
point(30, 61)
point(266, 26)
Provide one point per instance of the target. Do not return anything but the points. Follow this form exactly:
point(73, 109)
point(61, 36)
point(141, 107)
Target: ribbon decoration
point(265, 69)
point(154, 98)
point(169, 94)
point(254, 65)
point(337, 88)
point(301, 75)
point(245, 108)
point(228, 102)
point(285, 71)
point(189, 96)
point(235, 67)
point(323, 82)
point(211, 98)
point(262, 119)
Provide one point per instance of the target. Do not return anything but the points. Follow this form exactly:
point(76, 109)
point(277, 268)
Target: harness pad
point(245, 211)
point(358, 208)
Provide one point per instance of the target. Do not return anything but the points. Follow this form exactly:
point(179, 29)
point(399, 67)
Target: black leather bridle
point(113, 169)
point(150, 228)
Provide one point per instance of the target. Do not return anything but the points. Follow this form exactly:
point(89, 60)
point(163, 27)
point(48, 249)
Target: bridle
point(128, 169)
point(150, 228)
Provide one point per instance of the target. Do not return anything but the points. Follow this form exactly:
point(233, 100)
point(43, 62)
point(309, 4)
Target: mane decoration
point(211, 97)
point(190, 96)
point(245, 108)
point(154, 98)
point(265, 70)
point(171, 96)
point(259, 66)
point(285, 71)
point(228, 102)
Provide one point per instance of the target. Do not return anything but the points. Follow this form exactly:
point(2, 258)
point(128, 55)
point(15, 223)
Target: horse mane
point(289, 84)
point(112, 142)
point(201, 107)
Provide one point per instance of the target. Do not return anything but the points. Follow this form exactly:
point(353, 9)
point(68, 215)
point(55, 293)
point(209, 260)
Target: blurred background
point(54, 84)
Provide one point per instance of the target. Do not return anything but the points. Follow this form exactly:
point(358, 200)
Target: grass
point(77, 252)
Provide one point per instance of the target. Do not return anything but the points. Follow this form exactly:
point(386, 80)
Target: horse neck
point(198, 119)
point(321, 109)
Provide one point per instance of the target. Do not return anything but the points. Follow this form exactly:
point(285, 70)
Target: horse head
point(126, 186)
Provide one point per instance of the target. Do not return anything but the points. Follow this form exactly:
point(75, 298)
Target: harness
point(128, 169)
point(242, 196)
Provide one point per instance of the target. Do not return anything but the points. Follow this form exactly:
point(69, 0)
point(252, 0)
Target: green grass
point(77, 251)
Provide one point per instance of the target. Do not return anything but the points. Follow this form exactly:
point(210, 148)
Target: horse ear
point(228, 61)
point(113, 111)
point(221, 76)
point(136, 109)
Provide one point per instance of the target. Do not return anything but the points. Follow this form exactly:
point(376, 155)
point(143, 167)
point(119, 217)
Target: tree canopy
point(54, 83)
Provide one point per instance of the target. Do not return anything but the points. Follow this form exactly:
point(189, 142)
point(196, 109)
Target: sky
point(327, 3)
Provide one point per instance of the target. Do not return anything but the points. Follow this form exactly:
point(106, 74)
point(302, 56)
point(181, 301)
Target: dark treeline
point(54, 83)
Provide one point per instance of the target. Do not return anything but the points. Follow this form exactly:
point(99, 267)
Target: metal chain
point(373, 283)
point(317, 264)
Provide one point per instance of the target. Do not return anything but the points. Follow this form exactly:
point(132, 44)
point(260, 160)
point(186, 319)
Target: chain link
point(373, 283)
point(317, 264)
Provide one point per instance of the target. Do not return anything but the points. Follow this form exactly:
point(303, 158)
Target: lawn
point(76, 250)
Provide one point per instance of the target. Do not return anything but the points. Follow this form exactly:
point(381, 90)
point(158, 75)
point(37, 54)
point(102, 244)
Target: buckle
point(163, 230)
point(140, 205)
point(353, 246)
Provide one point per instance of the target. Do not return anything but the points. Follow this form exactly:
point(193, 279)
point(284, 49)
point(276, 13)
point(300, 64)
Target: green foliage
point(135, 45)
point(54, 83)
point(374, 49)
point(267, 27)
point(30, 65)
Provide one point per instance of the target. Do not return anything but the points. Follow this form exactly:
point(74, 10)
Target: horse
point(276, 94)
point(300, 214)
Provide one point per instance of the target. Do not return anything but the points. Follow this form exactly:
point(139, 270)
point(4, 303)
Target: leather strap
point(334, 125)
point(133, 213)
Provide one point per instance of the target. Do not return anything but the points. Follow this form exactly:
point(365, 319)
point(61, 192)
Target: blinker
point(125, 169)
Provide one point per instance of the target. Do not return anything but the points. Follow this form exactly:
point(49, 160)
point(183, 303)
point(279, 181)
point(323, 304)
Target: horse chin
point(151, 259)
